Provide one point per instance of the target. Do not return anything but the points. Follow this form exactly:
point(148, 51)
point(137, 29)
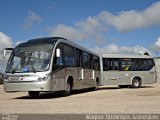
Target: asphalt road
point(106, 100)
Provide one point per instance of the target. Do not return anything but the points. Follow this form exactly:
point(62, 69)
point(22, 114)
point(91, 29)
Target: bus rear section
point(127, 70)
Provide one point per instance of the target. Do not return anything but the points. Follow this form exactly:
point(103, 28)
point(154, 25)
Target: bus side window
point(85, 60)
point(137, 65)
point(78, 57)
point(91, 61)
point(105, 64)
point(69, 58)
point(96, 63)
point(113, 63)
point(150, 64)
point(146, 64)
point(127, 64)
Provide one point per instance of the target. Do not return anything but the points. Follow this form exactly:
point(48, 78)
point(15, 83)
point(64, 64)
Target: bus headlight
point(41, 79)
point(5, 78)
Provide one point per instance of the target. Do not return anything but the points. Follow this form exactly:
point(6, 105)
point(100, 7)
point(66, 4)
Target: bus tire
point(33, 93)
point(68, 90)
point(136, 83)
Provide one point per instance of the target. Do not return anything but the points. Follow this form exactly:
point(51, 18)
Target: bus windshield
point(30, 58)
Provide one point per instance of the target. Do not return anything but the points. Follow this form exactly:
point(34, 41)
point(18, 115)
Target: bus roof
point(45, 40)
point(78, 46)
point(53, 40)
point(124, 56)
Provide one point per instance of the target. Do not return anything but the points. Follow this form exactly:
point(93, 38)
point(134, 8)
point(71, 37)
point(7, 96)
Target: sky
point(104, 26)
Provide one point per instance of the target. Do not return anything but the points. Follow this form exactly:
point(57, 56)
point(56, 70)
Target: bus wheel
point(68, 90)
point(33, 93)
point(136, 83)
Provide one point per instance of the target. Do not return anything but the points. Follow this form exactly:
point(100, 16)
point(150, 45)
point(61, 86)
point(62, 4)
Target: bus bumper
point(29, 86)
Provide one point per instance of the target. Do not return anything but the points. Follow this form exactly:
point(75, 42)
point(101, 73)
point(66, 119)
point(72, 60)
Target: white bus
point(51, 64)
point(127, 70)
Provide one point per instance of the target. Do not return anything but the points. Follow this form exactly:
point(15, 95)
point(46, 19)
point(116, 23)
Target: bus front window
point(30, 58)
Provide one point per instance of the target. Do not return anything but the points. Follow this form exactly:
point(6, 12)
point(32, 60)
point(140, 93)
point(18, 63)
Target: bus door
point(84, 64)
point(80, 72)
point(111, 71)
point(58, 73)
point(87, 65)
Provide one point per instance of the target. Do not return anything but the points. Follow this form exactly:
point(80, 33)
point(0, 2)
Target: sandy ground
point(106, 100)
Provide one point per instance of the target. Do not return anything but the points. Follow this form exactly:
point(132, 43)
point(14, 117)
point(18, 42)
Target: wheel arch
point(70, 79)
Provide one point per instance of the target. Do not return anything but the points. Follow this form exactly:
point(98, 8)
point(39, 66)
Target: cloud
point(156, 46)
point(67, 32)
point(157, 43)
point(90, 28)
point(130, 20)
point(31, 19)
point(94, 27)
point(115, 49)
point(5, 41)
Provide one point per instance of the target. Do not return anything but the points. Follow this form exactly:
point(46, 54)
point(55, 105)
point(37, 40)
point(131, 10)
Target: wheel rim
point(136, 83)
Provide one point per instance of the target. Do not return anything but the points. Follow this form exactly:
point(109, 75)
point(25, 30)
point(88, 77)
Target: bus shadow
point(54, 95)
point(108, 88)
point(46, 95)
point(116, 87)
point(147, 87)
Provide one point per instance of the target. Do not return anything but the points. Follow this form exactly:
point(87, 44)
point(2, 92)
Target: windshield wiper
point(13, 71)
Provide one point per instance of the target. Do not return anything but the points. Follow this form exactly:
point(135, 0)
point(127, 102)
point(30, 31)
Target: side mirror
point(58, 52)
point(5, 50)
point(4, 53)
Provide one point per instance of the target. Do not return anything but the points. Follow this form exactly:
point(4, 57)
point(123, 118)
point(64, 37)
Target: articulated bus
point(51, 64)
point(127, 70)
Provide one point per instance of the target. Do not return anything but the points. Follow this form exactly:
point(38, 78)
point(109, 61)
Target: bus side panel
point(71, 72)
point(111, 78)
point(77, 84)
point(88, 81)
point(58, 80)
point(149, 76)
point(127, 76)
point(84, 79)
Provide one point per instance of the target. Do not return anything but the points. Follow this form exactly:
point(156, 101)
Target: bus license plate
point(14, 79)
